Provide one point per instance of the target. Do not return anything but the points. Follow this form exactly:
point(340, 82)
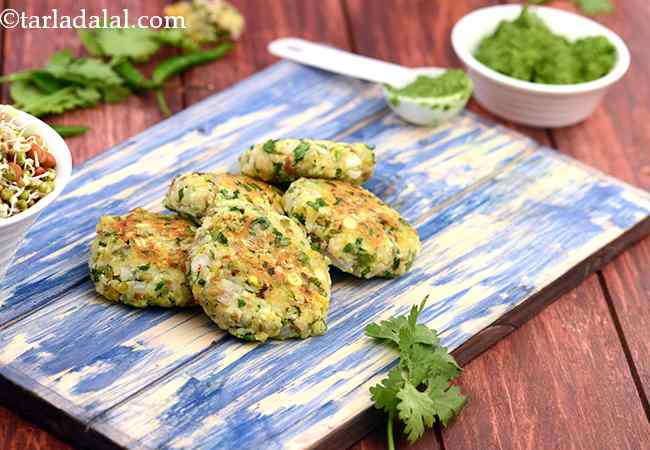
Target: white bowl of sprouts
point(35, 166)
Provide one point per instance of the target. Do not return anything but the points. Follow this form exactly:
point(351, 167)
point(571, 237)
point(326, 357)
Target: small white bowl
point(14, 228)
point(535, 104)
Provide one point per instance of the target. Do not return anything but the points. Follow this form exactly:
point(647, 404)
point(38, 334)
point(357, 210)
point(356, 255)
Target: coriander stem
point(389, 430)
point(162, 103)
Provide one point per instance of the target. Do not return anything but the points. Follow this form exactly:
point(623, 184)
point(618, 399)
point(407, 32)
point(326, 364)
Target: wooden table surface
point(578, 374)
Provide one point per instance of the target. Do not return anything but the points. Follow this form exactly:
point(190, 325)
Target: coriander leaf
point(23, 92)
point(416, 310)
point(425, 335)
point(390, 329)
point(29, 98)
point(417, 361)
point(136, 44)
point(446, 365)
point(418, 334)
point(59, 61)
point(17, 76)
point(415, 364)
point(42, 79)
point(91, 71)
point(300, 151)
point(387, 329)
point(115, 94)
point(447, 403)
point(423, 364)
point(269, 146)
point(384, 394)
point(416, 409)
point(406, 336)
point(89, 41)
point(84, 71)
point(421, 333)
point(47, 82)
point(593, 7)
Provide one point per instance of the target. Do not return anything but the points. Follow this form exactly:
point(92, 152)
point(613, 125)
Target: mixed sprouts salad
point(27, 169)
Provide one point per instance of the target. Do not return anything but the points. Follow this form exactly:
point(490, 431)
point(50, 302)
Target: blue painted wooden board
point(501, 219)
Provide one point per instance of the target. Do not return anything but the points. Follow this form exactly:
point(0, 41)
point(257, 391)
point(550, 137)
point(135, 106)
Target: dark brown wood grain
point(110, 124)
point(555, 383)
point(2, 39)
point(576, 376)
point(377, 440)
point(17, 434)
point(627, 287)
point(321, 21)
point(616, 140)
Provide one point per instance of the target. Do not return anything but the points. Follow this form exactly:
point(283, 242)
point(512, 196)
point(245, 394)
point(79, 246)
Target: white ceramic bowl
point(13, 229)
point(534, 104)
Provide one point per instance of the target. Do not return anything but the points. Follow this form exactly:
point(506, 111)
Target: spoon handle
point(339, 61)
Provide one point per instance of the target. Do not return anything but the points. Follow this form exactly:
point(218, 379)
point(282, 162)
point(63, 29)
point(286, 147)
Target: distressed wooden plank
point(402, 31)
point(424, 29)
point(207, 136)
point(565, 374)
point(213, 135)
point(446, 161)
point(536, 193)
point(110, 124)
point(327, 378)
point(29, 402)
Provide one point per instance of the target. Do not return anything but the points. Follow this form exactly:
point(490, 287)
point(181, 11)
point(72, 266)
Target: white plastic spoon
point(421, 111)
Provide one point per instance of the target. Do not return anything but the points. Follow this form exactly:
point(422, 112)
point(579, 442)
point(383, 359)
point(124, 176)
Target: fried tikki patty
point(254, 273)
point(358, 232)
point(140, 259)
point(286, 160)
point(193, 195)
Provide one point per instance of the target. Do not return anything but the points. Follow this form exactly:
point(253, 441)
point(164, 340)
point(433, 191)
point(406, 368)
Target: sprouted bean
point(27, 169)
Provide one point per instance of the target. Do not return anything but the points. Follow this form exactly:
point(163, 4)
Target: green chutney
point(451, 82)
point(528, 50)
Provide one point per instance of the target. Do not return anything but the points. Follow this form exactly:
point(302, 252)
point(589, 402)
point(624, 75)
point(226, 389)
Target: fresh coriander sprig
point(418, 389)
